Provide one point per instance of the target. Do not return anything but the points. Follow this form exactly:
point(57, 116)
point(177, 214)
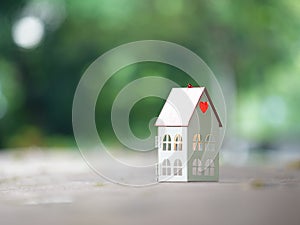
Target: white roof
point(180, 105)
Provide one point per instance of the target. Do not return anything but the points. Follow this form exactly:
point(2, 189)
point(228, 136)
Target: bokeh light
point(28, 32)
point(52, 13)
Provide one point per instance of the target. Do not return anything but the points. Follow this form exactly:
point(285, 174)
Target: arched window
point(166, 168)
point(167, 143)
point(210, 143)
point(197, 167)
point(177, 167)
point(209, 167)
point(178, 143)
point(197, 145)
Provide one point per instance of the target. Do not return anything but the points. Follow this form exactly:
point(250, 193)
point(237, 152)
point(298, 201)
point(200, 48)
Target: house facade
point(188, 137)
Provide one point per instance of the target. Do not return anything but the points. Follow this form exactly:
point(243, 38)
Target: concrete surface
point(58, 188)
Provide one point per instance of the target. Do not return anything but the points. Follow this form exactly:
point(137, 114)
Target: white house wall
point(204, 124)
point(172, 155)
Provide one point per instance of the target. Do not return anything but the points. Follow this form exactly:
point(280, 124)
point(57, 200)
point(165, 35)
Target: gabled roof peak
point(180, 106)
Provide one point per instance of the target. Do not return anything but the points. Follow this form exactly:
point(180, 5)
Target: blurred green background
point(253, 47)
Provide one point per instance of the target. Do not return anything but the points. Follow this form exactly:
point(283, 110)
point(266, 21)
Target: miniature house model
point(188, 137)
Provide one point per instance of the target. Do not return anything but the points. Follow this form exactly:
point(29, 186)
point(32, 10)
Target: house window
point(210, 143)
point(177, 167)
point(167, 143)
point(209, 167)
point(178, 143)
point(197, 145)
point(197, 167)
point(166, 168)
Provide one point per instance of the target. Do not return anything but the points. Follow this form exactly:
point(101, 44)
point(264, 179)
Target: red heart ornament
point(203, 106)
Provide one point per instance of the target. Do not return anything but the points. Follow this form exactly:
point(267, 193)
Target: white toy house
point(188, 137)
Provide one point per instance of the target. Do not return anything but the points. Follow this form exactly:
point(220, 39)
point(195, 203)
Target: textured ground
point(58, 188)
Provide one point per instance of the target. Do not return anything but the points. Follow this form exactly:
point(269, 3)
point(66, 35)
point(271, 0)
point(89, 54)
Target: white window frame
point(210, 143)
point(209, 167)
point(166, 143)
point(197, 142)
point(166, 168)
point(197, 167)
point(178, 142)
point(177, 167)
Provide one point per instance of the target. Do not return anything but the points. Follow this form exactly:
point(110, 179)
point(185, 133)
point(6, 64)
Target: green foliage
point(254, 45)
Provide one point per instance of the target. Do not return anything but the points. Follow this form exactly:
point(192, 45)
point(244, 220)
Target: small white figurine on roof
point(188, 137)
